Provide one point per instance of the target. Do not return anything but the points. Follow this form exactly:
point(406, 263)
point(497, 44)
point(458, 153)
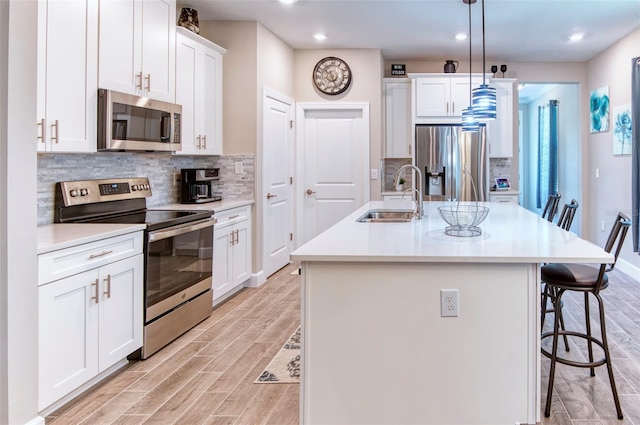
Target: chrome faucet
point(415, 192)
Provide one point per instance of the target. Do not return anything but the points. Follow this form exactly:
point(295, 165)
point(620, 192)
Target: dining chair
point(587, 280)
point(567, 214)
point(551, 207)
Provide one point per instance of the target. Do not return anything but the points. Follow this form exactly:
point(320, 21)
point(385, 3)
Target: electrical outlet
point(176, 178)
point(374, 174)
point(238, 167)
point(449, 303)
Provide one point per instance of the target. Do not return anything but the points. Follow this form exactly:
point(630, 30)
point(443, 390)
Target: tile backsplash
point(158, 167)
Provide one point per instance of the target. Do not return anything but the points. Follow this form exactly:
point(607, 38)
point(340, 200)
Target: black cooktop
point(154, 219)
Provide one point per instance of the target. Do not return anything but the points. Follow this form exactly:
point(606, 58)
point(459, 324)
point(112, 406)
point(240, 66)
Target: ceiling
point(515, 30)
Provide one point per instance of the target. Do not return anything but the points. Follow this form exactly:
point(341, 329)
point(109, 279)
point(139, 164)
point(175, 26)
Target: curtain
point(547, 152)
point(635, 149)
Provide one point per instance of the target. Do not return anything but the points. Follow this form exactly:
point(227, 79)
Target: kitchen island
point(376, 348)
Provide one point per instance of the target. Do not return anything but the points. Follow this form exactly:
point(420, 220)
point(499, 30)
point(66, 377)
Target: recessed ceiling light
point(288, 1)
point(576, 37)
point(320, 37)
point(461, 36)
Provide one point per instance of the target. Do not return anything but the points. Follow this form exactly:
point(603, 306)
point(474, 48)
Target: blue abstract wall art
point(622, 130)
point(599, 110)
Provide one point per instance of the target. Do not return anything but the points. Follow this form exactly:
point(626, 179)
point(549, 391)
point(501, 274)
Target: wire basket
point(463, 219)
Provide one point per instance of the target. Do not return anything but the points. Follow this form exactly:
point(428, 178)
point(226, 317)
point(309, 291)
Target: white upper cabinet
point(67, 83)
point(441, 95)
point(397, 110)
point(199, 91)
point(137, 47)
point(500, 131)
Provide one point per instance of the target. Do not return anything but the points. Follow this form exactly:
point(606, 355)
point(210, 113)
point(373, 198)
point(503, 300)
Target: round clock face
point(332, 75)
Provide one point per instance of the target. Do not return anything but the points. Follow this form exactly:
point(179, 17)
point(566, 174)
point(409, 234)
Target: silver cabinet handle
point(447, 106)
point(453, 107)
point(204, 141)
point(198, 142)
point(108, 291)
point(231, 236)
point(237, 239)
point(269, 196)
point(234, 216)
point(41, 125)
point(102, 254)
point(148, 79)
point(310, 192)
point(57, 131)
point(95, 297)
point(139, 80)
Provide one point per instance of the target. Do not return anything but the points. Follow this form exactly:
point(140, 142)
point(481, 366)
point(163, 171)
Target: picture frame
point(502, 183)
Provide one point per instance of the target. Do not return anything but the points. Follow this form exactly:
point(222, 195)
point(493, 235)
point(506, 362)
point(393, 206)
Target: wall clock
point(332, 75)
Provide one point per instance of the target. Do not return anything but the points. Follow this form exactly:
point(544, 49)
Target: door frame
point(301, 109)
point(279, 97)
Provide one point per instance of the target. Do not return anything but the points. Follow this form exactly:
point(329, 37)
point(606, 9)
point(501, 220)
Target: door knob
point(269, 196)
point(310, 192)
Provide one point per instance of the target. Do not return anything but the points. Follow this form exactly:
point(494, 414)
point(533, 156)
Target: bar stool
point(588, 280)
point(550, 292)
point(551, 207)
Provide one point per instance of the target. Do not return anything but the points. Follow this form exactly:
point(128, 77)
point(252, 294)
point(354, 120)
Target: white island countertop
point(510, 234)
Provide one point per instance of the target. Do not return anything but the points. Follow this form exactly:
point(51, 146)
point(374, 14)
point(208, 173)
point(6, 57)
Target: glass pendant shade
point(483, 102)
point(469, 122)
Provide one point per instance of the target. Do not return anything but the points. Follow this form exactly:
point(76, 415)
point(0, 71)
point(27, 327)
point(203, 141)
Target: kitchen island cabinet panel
point(67, 83)
point(137, 47)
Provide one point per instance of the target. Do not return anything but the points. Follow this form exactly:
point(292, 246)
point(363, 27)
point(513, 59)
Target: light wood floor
point(206, 376)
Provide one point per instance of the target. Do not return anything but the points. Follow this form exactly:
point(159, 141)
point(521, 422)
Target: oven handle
point(176, 231)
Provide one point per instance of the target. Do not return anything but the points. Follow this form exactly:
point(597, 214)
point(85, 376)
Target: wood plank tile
point(226, 337)
point(243, 394)
point(116, 407)
point(130, 420)
point(221, 420)
point(238, 372)
point(286, 411)
point(262, 405)
point(203, 407)
point(228, 355)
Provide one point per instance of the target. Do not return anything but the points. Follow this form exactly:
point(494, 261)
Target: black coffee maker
point(198, 185)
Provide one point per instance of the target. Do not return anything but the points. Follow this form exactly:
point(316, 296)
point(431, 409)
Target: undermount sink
point(386, 216)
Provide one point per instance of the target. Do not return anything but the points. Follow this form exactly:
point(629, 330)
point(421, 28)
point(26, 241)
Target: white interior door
point(278, 136)
point(332, 164)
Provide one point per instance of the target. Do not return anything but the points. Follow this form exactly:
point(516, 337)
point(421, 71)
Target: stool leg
point(607, 357)
point(558, 311)
point(554, 354)
point(588, 325)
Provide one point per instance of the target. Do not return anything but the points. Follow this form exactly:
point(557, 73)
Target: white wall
point(612, 191)
point(18, 218)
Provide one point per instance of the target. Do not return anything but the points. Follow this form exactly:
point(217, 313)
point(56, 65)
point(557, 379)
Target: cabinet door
point(500, 130)
point(211, 102)
point(67, 75)
point(158, 48)
point(398, 119)
point(432, 96)
point(222, 251)
point(241, 253)
point(187, 91)
point(121, 306)
point(67, 335)
point(460, 94)
point(121, 46)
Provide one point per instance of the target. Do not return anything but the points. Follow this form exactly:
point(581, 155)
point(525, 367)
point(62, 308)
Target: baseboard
point(257, 279)
point(38, 420)
point(628, 268)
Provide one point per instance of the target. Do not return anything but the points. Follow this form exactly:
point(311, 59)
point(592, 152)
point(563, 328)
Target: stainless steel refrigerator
point(442, 153)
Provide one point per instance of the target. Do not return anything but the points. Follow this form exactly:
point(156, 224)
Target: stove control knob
point(134, 187)
point(84, 192)
point(73, 193)
point(146, 186)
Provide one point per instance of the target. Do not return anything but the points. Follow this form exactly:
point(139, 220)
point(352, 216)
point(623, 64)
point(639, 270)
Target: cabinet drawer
point(69, 261)
point(232, 216)
point(504, 198)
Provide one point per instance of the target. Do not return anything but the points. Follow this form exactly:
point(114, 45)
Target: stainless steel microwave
point(133, 123)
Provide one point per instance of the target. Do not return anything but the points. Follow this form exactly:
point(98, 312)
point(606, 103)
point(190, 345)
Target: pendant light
point(484, 97)
point(469, 121)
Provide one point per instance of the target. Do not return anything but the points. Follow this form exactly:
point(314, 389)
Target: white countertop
point(208, 206)
point(52, 237)
point(510, 234)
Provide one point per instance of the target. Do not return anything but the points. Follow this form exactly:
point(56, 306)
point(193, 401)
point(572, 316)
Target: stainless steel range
point(178, 251)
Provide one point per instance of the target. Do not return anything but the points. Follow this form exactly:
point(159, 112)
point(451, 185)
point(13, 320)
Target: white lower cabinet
point(88, 321)
point(504, 197)
point(231, 251)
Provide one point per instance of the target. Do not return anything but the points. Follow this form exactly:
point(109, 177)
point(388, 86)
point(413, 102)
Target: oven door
point(179, 265)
